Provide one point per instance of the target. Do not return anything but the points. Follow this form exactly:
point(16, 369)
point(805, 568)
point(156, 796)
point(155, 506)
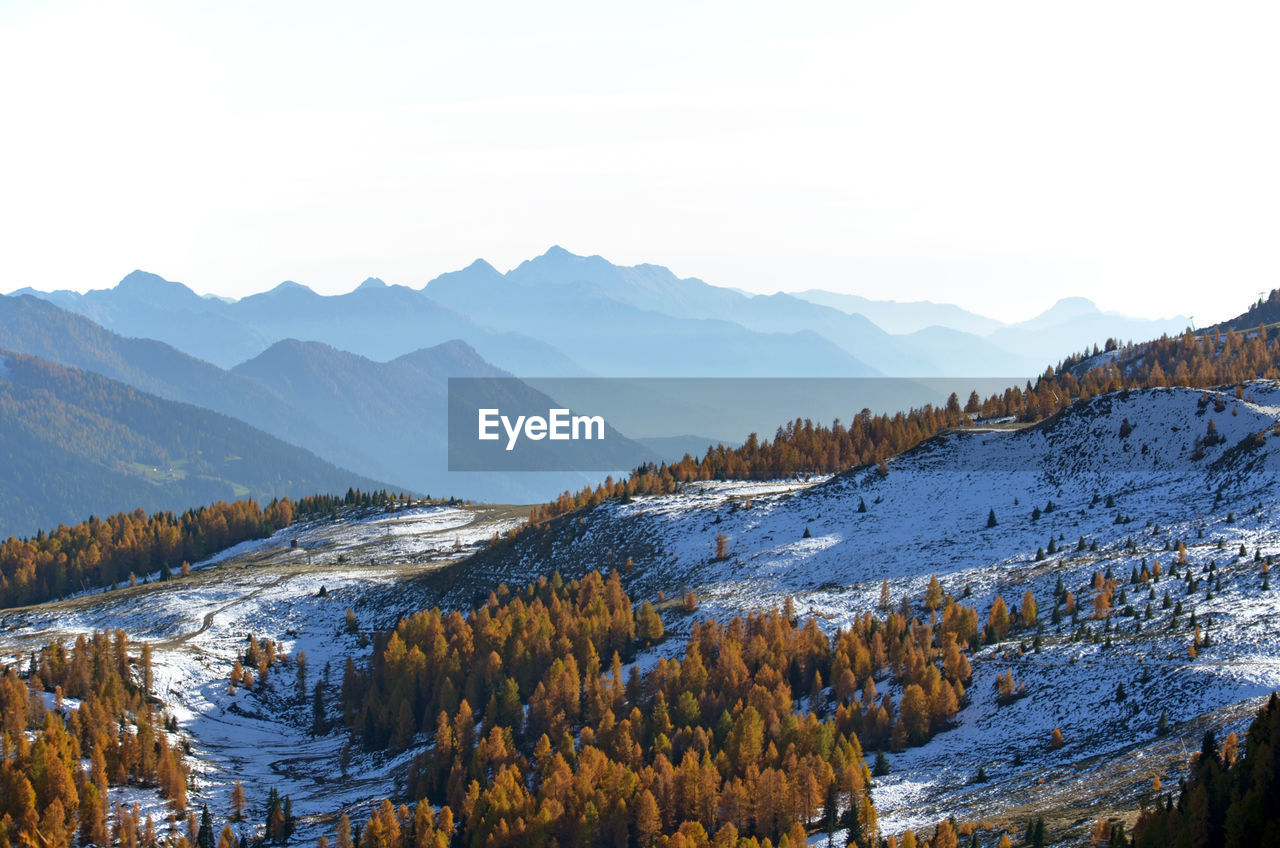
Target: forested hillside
point(1265, 311)
point(83, 724)
point(78, 444)
point(129, 546)
point(1230, 796)
point(741, 742)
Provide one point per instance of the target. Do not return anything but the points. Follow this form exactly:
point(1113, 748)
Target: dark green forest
point(1229, 799)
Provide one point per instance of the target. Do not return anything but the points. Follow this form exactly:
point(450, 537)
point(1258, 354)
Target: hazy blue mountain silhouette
point(904, 317)
point(1073, 324)
point(399, 410)
point(643, 321)
point(36, 327)
point(557, 312)
point(79, 443)
point(377, 321)
point(383, 420)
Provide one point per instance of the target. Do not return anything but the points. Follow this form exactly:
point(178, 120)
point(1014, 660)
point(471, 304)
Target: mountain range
point(564, 315)
point(384, 420)
point(358, 381)
point(1118, 547)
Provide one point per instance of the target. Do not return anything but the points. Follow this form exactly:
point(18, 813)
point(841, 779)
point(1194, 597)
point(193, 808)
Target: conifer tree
point(204, 838)
point(933, 593)
point(238, 801)
point(1029, 612)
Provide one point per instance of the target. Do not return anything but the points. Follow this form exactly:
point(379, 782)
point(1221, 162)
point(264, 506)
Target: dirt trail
point(207, 621)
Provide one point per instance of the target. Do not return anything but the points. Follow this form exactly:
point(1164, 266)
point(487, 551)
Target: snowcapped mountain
point(1141, 523)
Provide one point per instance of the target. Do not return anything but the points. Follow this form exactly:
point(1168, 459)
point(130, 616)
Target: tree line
point(799, 447)
point(129, 545)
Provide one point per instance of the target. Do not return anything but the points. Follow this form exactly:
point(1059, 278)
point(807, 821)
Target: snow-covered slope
point(929, 514)
point(272, 588)
point(1131, 498)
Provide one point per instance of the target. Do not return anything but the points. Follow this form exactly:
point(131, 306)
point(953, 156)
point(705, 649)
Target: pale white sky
point(994, 154)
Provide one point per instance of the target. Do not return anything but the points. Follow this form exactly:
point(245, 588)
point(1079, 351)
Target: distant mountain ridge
point(399, 409)
point(561, 314)
point(720, 332)
point(38, 328)
point(376, 321)
point(904, 317)
point(385, 421)
point(80, 444)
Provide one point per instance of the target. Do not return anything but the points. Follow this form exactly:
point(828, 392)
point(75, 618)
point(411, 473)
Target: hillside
point(384, 420)
point(1130, 500)
point(1110, 683)
point(1265, 312)
point(36, 327)
point(1047, 599)
point(78, 444)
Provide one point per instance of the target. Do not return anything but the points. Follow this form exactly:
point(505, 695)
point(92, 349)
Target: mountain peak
point(1074, 304)
point(372, 283)
point(145, 280)
point(154, 288)
point(289, 286)
point(1065, 309)
point(481, 265)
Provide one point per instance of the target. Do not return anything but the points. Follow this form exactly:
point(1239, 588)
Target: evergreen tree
point(204, 838)
point(319, 721)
